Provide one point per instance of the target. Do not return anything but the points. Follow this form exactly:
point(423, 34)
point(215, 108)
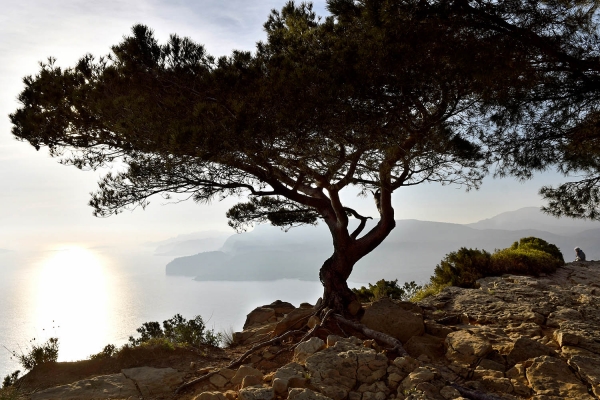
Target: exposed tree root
point(341, 329)
point(240, 360)
point(473, 394)
point(388, 340)
point(314, 329)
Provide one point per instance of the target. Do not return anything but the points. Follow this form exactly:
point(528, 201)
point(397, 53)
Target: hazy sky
point(43, 203)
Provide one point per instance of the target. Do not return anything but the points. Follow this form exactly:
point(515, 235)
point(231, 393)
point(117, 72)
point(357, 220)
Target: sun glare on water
point(72, 304)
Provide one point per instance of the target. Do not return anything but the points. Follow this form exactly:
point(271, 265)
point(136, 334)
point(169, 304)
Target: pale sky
point(44, 203)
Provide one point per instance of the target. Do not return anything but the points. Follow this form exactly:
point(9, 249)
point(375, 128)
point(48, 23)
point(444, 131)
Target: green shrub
point(461, 268)
point(534, 243)
point(11, 379)
point(383, 288)
point(430, 289)
point(524, 262)
point(177, 330)
point(528, 256)
point(45, 353)
point(109, 351)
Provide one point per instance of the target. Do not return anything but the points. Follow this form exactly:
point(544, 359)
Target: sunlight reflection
point(72, 302)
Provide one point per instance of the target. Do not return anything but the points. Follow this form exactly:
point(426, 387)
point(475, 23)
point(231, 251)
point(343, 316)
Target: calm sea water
point(92, 297)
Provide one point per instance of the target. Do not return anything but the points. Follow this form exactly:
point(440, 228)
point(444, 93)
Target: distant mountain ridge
point(533, 218)
point(410, 252)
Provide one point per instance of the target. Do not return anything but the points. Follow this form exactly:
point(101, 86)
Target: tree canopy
point(379, 95)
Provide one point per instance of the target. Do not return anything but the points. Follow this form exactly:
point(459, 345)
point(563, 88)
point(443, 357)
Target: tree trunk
point(334, 275)
point(347, 251)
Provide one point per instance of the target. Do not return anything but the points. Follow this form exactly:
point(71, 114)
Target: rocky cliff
point(515, 337)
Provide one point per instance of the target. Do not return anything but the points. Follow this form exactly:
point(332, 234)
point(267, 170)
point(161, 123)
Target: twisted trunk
point(334, 275)
point(336, 270)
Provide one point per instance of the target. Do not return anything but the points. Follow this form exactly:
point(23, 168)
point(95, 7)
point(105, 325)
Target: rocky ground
point(515, 337)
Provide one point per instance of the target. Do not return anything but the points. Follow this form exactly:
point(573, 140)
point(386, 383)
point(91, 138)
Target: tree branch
point(361, 226)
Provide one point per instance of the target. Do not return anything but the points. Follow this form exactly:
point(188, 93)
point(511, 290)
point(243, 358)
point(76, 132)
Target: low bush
point(524, 262)
point(383, 288)
point(177, 330)
point(461, 268)
point(534, 243)
point(109, 351)
point(38, 354)
point(11, 379)
point(430, 289)
point(528, 256)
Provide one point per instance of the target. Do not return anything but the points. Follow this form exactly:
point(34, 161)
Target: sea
point(91, 297)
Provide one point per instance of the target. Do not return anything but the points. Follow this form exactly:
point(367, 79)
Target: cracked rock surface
point(132, 383)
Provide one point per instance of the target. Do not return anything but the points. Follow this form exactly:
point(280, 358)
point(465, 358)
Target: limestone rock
point(387, 316)
point(153, 381)
point(435, 329)
point(589, 370)
point(254, 335)
point(375, 391)
point(218, 380)
point(306, 394)
point(497, 384)
point(251, 380)
point(227, 373)
point(526, 348)
point(268, 313)
point(297, 382)
point(295, 319)
point(332, 340)
point(520, 386)
point(260, 316)
point(115, 386)
point(244, 371)
point(490, 364)
point(372, 366)
point(561, 315)
point(465, 347)
point(210, 396)
point(281, 307)
point(430, 390)
point(551, 376)
point(255, 393)
point(313, 321)
point(431, 346)
point(333, 371)
point(481, 373)
point(406, 364)
point(283, 375)
point(448, 392)
point(230, 394)
point(419, 375)
point(306, 349)
point(585, 335)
